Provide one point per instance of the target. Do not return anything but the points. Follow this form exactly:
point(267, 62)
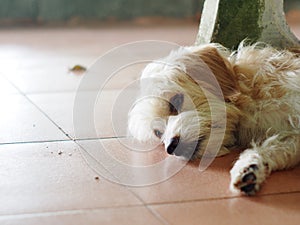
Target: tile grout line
point(39, 109)
point(63, 212)
point(225, 198)
point(99, 138)
point(77, 211)
point(156, 214)
point(69, 137)
point(159, 216)
point(147, 206)
point(68, 91)
point(60, 140)
point(144, 204)
point(34, 142)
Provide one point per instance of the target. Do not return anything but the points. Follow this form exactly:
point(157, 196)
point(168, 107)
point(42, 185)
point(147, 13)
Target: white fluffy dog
point(204, 95)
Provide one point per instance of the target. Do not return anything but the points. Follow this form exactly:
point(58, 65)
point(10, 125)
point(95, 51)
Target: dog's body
point(254, 103)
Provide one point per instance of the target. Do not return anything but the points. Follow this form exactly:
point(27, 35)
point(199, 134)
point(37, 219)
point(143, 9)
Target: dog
point(200, 96)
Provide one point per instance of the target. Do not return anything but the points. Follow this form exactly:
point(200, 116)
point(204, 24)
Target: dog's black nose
point(173, 145)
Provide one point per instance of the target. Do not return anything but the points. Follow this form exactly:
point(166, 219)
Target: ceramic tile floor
point(64, 151)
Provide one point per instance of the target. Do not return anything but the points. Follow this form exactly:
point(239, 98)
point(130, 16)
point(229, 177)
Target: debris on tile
point(96, 178)
point(33, 125)
point(60, 152)
point(68, 135)
point(70, 154)
point(78, 69)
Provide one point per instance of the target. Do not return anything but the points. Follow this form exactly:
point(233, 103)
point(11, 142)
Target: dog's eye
point(158, 133)
point(176, 103)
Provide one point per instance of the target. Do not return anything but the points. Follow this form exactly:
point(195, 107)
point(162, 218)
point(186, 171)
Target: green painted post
point(230, 21)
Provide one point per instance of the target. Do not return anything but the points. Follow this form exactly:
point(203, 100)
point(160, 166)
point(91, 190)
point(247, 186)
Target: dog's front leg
point(255, 164)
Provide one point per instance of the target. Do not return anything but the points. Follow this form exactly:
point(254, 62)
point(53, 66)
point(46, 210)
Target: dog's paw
point(246, 182)
point(248, 174)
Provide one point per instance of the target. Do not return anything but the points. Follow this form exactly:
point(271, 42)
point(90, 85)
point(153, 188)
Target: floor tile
point(282, 181)
point(21, 121)
point(5, 87)
point(42, 66)
point(113, 216)
point(88, 114)
point(158, 178)
point(293, 21)
point(87, 41)
point(47, 177)
point(128, 163)
point(267, 210)
point(57, 182)
point(35, 70)
point(191, 184)
point(296, 31)
point(59, 107)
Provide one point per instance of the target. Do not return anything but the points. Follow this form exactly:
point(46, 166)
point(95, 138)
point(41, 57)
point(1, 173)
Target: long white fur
point(261, 94)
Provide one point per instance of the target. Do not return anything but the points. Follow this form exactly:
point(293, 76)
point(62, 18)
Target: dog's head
point(181, 99)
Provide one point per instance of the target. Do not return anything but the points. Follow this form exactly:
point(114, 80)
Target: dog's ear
point(221, 68)
point(176, 103)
